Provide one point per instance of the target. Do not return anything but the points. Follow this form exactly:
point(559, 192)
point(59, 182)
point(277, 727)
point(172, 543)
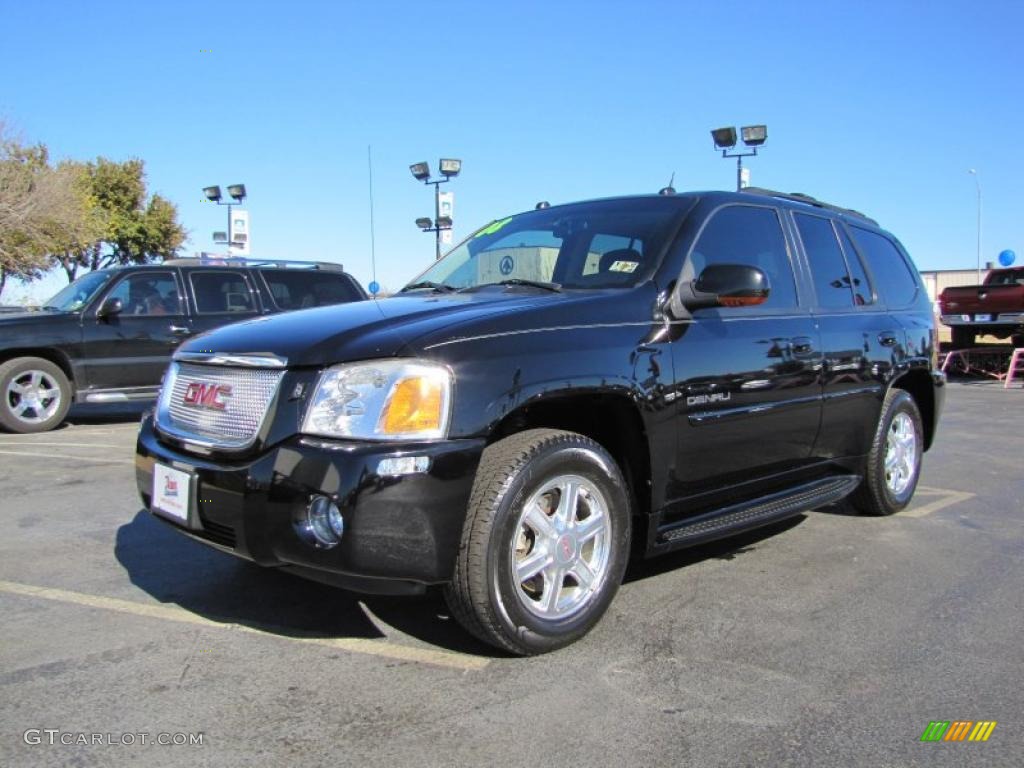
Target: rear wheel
point(36, 395)
point(545, 542)
point(963, 338)
point(894, 462)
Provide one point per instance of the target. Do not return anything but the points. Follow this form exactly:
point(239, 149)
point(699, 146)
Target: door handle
point(887, 339)
point(180, 330)
point(801, 345)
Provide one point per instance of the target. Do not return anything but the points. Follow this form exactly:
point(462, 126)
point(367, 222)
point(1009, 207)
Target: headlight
point(381, 400)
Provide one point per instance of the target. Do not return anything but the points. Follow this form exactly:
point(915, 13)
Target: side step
point(753, 514)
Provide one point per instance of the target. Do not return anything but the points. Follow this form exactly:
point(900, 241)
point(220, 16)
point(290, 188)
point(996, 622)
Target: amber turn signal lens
point(415, 406)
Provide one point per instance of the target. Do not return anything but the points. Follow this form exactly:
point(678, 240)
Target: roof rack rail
point(240, 261)
point(799, 197)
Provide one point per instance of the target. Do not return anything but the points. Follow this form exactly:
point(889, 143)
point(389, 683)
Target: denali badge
point(718, 397)
point(207, 395)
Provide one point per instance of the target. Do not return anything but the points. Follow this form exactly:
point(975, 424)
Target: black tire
point(1017, 339)
point(50, 395)
point(877, 495)
point(963, 338)
point(485, 596)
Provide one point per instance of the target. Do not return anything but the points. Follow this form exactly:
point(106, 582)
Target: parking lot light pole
point(725, 139)
point(977, 183)
point(450, 168)
point(237, 193)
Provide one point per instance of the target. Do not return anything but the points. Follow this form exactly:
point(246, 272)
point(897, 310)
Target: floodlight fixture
point(444, 222)
point(420, 171)
point(212, 193)
point(237, 191)
point(725, 138)
point(754, 135)
point(220, 237)
point(450, 167)
point(424, 223)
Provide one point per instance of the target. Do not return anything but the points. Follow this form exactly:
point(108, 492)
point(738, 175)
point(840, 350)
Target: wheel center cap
point(565, 548)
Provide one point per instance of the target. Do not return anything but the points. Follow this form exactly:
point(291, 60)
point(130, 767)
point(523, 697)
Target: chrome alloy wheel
point(33, 396)
point(561, 547)
point(900, 454)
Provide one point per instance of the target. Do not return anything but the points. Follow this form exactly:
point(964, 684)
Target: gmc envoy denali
point(567, 386)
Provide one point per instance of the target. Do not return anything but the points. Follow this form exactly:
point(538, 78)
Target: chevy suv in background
point(568, 385)
point(108, 336)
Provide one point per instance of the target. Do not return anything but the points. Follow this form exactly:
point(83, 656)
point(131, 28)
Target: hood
point(365, 330)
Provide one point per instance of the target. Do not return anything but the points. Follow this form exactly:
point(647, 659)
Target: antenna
point(669, 190)
point(373, 249)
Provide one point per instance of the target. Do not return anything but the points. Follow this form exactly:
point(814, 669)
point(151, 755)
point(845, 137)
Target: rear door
point(747, 377)
point(132, 349)
point(861, 342)
point(220, 297)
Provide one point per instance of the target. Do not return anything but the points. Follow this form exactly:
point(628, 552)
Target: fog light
point(403, 465)
point(320, 524)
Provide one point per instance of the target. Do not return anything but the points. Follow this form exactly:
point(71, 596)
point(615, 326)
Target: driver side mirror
point(109, 308)
point(722, 285)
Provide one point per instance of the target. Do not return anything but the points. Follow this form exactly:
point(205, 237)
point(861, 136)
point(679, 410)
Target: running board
point(753, 514)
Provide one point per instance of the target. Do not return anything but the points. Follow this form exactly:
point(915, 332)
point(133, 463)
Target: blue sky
point(879, 106)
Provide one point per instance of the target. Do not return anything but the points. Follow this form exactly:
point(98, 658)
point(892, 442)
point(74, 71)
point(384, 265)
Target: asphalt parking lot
point(831, 639)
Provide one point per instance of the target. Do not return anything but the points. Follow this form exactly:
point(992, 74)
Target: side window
point(893, 278)
point(828, 267)
point(862, 290)
point(300, 290)
point(148, 293)
point(218, 291)
point(744, 234)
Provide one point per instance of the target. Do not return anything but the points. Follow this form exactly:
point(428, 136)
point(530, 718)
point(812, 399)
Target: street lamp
point(725, 139)
point(450, 168)
point(237, 194)
point(977, 183)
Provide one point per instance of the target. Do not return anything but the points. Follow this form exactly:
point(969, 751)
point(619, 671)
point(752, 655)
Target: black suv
point(566, 386)
point(108, 336)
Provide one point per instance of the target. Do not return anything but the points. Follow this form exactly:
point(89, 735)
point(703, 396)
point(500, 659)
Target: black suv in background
point(568, 385)
point(108, 336)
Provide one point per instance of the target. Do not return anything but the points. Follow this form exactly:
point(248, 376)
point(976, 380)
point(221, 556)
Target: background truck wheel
point(894, 462)
point(35, 395)
point(545, 542)
point(963, 338)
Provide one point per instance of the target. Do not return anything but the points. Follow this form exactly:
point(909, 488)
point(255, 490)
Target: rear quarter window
point(301, 290)
point(895, 280)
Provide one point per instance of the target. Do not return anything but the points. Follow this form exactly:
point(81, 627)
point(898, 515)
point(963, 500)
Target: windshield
point(79, 293)
point(603, 244)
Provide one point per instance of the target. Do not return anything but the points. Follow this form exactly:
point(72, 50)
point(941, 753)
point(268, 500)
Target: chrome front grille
point(215, 405)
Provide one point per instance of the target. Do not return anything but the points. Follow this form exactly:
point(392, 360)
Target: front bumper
point(401, 532)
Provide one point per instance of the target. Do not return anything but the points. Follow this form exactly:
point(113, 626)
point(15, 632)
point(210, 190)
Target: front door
point(133, 348)
point(747, 378)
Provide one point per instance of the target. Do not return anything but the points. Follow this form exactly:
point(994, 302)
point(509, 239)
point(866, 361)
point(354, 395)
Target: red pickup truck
point(995, 307)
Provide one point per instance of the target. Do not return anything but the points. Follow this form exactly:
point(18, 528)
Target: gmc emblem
point(207, 395)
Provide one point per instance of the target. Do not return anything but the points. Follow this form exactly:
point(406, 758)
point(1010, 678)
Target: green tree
point(127, 228)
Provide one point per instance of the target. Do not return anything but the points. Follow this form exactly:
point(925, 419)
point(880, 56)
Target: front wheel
point(545, 542)
point(36, 395)
point(894, 462)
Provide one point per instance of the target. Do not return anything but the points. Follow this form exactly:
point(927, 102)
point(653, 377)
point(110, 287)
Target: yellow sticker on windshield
point(493, 227)
point(624, 266)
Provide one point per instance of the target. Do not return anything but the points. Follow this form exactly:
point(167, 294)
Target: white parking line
point(381, 648)
point(59, 445)
point(946, 498)
point(66, 456)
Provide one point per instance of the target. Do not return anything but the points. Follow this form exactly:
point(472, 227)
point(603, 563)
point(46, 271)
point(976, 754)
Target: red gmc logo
point(207, 395)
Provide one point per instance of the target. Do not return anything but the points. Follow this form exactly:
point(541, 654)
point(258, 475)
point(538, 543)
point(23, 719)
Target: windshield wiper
point(441, 287)
point(556, 287)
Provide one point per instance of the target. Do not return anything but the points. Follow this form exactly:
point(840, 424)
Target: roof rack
point(799, 197)
point(239, 261)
